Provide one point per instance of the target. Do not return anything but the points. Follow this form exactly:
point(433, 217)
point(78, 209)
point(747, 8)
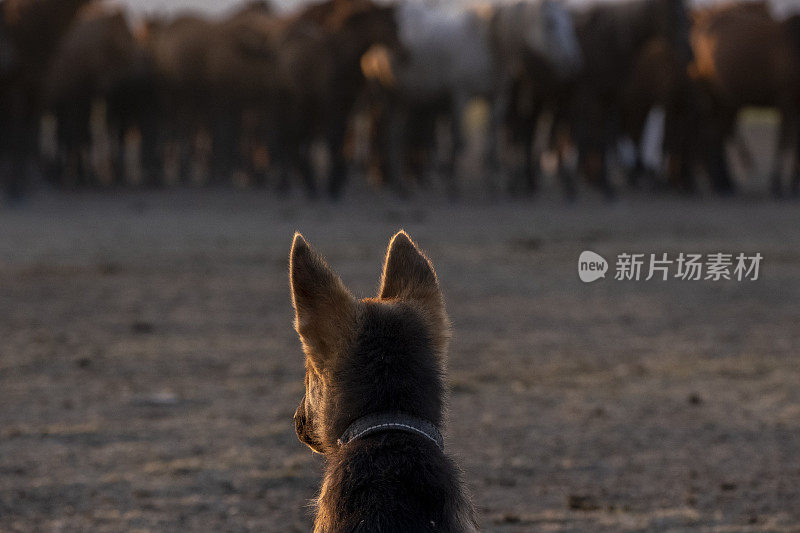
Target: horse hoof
point(726, 190)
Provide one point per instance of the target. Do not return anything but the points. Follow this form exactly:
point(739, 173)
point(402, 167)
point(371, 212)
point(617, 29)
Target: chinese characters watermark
point(716, 266)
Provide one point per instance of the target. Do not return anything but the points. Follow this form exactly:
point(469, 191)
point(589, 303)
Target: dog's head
point(383, 353)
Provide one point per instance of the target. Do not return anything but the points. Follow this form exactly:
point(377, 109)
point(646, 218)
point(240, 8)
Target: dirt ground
point(149, 372)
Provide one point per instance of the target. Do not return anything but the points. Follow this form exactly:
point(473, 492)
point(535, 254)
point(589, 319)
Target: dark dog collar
point(391, 421)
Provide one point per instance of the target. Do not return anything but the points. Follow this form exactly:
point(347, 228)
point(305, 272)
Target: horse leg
point(561, 138)
point(21, 132)
point(16, 179)
point(150, 155)
point(283, 174)
point(795, 186)
point(500, 102)
point(280, 162)
point(392, 142)
point(609, 140)
point(529, 176)
point(301, 162)
point(457, 143)
point(593, 128)
point(303, 165)
point(594, 165)
point(259, 155)
point(117, 133)
point(718, 160)
point(783, 150)
point(718, 167)
point(637, 171)
point(337, 175)
point(678, 150)
point(533, 154)
point(522, 179)
point(679, 168)
point(567, 179)
point(635, 136)
point(647, 136)
point(16, 186)
point(18, 140)
point(75, 141)
point(225, 129)
point(420, 137)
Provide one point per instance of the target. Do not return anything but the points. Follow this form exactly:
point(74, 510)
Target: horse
point(318, 80)
point(743, 57)
point(613, 38)
point(96, 59)
point(536, 83)
point(791, 26)
point(453, 56)
point(658, 79)
point(210, 74)
point(31, 31)
point(447, 61)
point(537, 43)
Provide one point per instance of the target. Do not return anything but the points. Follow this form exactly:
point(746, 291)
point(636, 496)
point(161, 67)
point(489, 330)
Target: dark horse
point(792, 27)
point(98, 60)
point(743, 57)
point(613, 37)
point(319, 80)
point(30, 30)
point(209, 75)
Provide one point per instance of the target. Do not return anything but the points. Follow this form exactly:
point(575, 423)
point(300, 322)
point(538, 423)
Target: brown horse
point(536, 89)
point(743, 57)
point(210, 74)
point(241, 69)
point(635, 56)
point(658, 79)
point(791, 26)
point(179, 48)
point(31, 30)
point(613, 38)
point(96, 59)
point(320, 78)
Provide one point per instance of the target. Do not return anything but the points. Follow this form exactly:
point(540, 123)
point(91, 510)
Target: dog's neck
point(384, 421)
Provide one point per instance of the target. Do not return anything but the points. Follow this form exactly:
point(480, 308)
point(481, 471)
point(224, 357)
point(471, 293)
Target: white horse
point(447, 52)
point(454, 55)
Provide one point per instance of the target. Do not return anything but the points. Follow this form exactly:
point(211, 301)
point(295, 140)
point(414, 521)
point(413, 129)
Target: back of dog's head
point(384, 353)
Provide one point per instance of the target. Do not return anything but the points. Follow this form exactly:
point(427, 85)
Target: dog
point(375, 396)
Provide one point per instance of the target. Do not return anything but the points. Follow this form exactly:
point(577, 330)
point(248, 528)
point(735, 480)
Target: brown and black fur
point(377, 354)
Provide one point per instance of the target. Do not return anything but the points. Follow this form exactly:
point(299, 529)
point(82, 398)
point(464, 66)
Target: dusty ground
point(148, 372)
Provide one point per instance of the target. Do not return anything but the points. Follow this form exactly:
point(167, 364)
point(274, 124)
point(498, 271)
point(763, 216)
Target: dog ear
point(324, 308)
point(408, 274)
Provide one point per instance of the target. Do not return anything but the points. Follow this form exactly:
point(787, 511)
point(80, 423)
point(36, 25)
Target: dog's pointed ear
point(407, 273)
point(324, 308)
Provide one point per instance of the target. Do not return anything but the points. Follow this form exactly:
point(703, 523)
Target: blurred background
point(156, 158)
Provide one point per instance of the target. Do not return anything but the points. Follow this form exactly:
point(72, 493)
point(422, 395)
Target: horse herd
point(249, 96)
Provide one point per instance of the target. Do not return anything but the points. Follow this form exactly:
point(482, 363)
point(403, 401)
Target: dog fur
point(364, 356)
